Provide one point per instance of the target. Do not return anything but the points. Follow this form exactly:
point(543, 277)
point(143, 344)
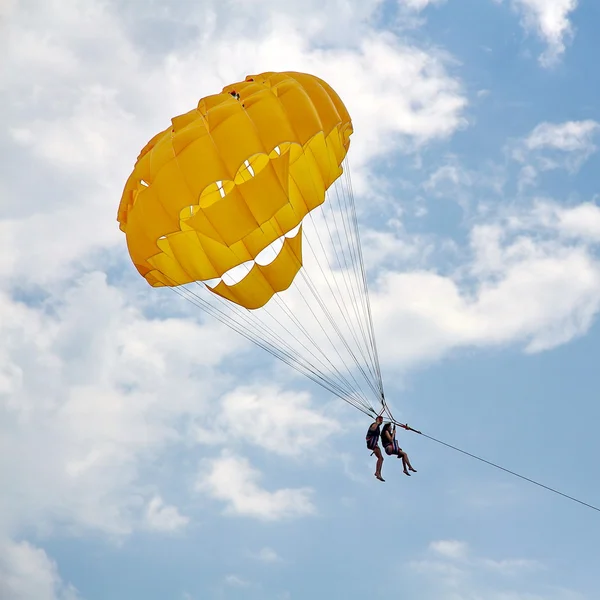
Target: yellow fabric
point(231, 176)
point(263, 282)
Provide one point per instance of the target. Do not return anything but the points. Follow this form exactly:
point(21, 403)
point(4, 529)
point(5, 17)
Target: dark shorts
point(372, 444)
point(393, 448)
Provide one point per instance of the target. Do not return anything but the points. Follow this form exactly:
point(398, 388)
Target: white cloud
point(454, 181)
point(236, 581)
point(450, 548)
point(451, 570)
point(277, 420)
point(161, 517)
point(549, 19)
point(268, 555)
point(458, 551)
point(393, 249)
point(451, 173)
point(555, 146)
point(525, 287)
point(27, 573)
point(234, 481)
point(571, 136)
point(580, 222)
point(419, 5)
point(90, 391)
point(87, 140)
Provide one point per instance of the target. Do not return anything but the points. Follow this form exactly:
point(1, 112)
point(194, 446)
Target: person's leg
point(379, 456)
point(405, 461)
point(408, 463)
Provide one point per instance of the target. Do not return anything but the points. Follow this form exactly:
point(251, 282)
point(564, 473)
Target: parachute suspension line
point(253, 326)
point(297, 362)
point(345, 314)
point(362, 266)
point(346, 213)
point(354, 289)
point(313, 349)
point(301, 327)
point(337, 373)
point(333, 324)
point(250, 317)
point(345, 269)
point(332, 321)
point(274, 351)
point(326, 311)
point(254, 317)
point(350, 243)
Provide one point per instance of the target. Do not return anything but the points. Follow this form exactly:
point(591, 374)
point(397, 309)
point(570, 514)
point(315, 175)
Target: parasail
point(244, 207)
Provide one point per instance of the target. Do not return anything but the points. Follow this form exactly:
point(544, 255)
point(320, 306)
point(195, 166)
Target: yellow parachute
point(229, 178)
point(236, 177)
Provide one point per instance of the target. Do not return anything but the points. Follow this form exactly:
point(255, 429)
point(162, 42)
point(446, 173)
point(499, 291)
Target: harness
point(372, 436)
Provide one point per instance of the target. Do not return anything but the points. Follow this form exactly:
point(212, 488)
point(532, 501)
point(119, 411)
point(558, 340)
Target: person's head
point(386, 427)
point(379, 420)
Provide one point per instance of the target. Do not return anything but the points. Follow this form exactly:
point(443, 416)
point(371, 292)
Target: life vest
point(372, 436)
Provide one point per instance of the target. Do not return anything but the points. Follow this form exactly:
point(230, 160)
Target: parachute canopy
point(221, 208)
point(231, 177)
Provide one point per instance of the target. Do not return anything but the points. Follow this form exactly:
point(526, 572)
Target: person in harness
point(390, 445)
point(372, 437)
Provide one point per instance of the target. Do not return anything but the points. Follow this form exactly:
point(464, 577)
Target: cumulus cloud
point(580, 222)
point(419, 4)
point(27, 573)
point(84, 388)
point(268, 555)
point(236, 581)
point(454, 181)
point(553, 146)
point(449, 548)
point(232, 480)
point(549, 20)
point(572, 136)
point(521, 286)
point(280, 421)
point(451, 569)
point(162, 517)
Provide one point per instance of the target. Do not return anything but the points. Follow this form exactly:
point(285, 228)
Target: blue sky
point(133, 459)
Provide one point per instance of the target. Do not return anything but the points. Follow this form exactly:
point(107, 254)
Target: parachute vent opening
point(249, 167)
point(278, 150)
point(236, 274)
point(293, 232)
point(144, 183)
point(270, 253)
point(265, 257)
point(221, 190)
